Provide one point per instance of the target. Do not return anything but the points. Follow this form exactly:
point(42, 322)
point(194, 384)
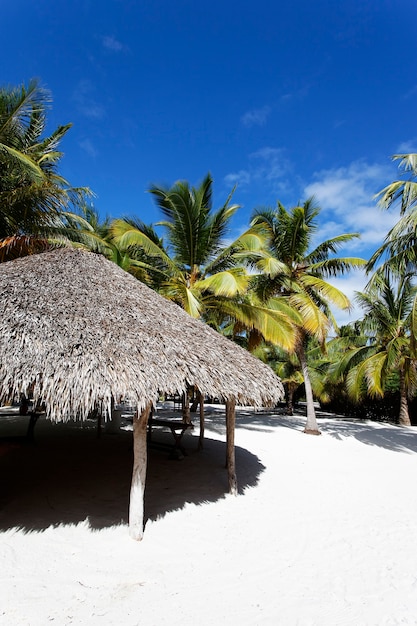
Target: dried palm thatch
point(81, 331)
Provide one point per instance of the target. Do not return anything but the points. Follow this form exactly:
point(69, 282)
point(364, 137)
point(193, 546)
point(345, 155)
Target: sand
point(321, 533)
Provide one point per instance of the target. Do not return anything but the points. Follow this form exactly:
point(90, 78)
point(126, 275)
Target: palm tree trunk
point(137, 490)
point(404, 417)
point(311, 427)
point(290, 398)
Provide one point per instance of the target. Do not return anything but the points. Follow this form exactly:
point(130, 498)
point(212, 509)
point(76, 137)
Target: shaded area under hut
point(81, 333)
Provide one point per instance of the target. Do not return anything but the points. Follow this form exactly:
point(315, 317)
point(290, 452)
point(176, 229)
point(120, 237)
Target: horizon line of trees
point(269, 290)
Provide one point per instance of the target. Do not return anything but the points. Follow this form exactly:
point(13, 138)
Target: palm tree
point(32, 193)
point(402, 191)
point(196, 269)
point(399, 248)
point(300, 277)
point(391, 328)
point(286, 366)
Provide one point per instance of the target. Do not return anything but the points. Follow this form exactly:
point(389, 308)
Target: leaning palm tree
point(301, 277)
point(391, 328)
point(32, 193)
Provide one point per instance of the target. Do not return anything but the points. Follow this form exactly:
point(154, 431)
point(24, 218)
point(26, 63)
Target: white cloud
point(346, 196)
point(407, 147)
point(349, 284)
point(88, 147)
point(240, 178)
point(112, 44)
point(256, 117)
point(267, 166)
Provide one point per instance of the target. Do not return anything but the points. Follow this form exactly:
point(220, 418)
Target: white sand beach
point(321, 533)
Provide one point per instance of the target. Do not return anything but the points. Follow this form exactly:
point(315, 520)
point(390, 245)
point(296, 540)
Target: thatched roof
point(84, 331)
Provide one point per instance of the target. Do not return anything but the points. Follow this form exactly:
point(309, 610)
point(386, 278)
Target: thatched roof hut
point(80, 331)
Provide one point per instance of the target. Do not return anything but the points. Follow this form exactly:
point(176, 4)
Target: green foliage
point(384, 359)
point(32, 193)
point(301, 272)
point(198, 270)
point(403, 192)
point(299, 276)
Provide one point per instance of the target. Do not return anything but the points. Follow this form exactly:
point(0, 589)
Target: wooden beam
point(137, 490)
point(201, 437)
point(186, 415)
point(230, 445)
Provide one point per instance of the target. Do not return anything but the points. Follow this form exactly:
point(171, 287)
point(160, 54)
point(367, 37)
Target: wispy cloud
point(407, 147)
point(267, 166)
point(256, 117)
point(111, 43)
point(410, 93)
point(346, 196)
point(84, 99)
point(355, 281)
point(88, 147)
point(298, 93)
point(241, 178)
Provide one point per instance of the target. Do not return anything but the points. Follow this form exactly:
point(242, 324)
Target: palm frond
point(228, 283)
point(325, 290)
point(127, 236)
point(330, 246)
point(273, 324)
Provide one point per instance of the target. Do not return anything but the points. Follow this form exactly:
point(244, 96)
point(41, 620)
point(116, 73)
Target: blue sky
point(283, 98)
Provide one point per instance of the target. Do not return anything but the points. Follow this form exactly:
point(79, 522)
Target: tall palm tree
point(32, 193)
point(301, 277)
point(201, 273)
point(391, 329)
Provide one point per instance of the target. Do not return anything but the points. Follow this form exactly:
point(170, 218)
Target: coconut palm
point(300, 277)
point(196, 269)
point(391, 328)
point(32, 193)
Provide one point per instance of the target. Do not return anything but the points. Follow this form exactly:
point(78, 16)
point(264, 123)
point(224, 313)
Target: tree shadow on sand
point(377, 434)
point(68, 474)
point(261, 420)
point(386, 436)
point(339, 427)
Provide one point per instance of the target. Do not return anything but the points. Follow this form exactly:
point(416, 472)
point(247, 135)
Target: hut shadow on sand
point(67, 475)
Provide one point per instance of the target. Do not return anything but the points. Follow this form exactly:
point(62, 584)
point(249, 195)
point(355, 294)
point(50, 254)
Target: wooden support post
point(186, 416)
point(201, 437)
point(230, 445)
point(137, 490)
